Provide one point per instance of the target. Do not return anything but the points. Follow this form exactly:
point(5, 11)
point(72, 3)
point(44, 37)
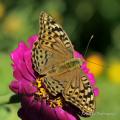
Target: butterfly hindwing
point(75, 88)
point(53, 86)
point(80, 92)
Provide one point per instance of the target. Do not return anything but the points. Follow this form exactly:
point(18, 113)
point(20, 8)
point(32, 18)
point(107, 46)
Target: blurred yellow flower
point(95, 63)
point(114, 72)
point(2, 10)
point(13, 24)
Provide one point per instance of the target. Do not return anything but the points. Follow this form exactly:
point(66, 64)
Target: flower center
point(42, 93)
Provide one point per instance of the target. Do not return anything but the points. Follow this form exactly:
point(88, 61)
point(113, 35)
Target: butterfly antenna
point(86, 49)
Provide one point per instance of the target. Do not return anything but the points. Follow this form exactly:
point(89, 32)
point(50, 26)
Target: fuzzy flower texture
point(30, 87)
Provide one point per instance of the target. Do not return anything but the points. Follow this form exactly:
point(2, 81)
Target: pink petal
point(14, 86)
point(31, 40)
point(48, 113)
point(30, 109)
point(96, 91)
point(17, 74)
point(91, 78)
point(84, 68)
point(21, 66)
point(77, 54)
point(28, 62)
point(19, 61)
point(17, 54)
point(22, 87)
point(28, 102)
point(63, 115)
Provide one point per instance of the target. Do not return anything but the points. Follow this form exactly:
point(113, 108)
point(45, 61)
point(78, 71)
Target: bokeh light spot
point(116, 36)
point(2, 10)
point(109, 9)
point(114, 72)
point(95, 62)
point(85, 10)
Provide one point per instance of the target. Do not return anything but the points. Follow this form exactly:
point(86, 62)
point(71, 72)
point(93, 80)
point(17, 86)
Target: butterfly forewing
point(50, 29)
point(52, 44)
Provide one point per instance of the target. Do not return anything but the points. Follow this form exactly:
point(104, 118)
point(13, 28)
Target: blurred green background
point(80, 19)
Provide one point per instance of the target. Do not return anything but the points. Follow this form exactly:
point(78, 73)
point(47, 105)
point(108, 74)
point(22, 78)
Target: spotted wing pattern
point(52, 47)
point(75, 89)
point(80, 93)
point(50, 29)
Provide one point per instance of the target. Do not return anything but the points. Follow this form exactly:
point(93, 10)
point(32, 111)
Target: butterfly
point(52, 56)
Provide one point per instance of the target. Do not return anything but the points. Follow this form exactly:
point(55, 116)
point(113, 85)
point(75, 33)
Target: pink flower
point(28, 84)
point(24, 84)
